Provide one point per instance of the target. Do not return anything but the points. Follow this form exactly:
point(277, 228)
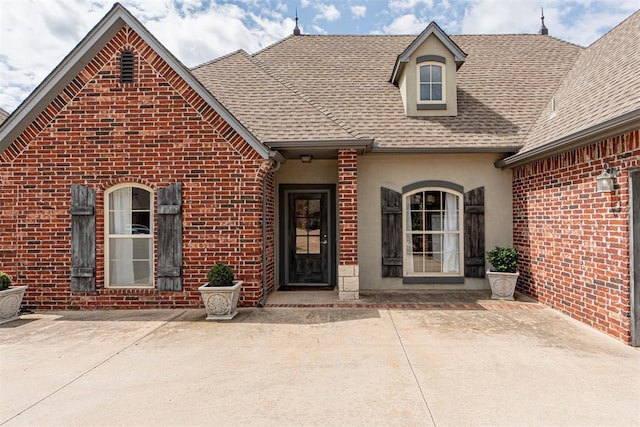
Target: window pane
point(433, 200)
point(425, 73)
point(417, 244)
point(141, 199)
point(436, 92)
point(436, 73)
point(302, 244)
point(141, 223)
point(314, 244)
point(425, 94)
point(434, 221)
point(416, 221)
point(130, 261)
point(415, 202)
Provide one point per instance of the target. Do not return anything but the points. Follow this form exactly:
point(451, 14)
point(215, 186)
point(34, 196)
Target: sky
point(35, 35)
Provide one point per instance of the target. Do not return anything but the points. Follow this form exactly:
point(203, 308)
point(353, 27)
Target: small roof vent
point(126, 67)
point(543, 29)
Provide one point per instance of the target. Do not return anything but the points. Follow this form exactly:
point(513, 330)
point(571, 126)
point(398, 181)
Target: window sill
point(440, 280)
point(431, 107)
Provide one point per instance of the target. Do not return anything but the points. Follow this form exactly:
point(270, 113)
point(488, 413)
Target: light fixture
point(306, 158)
point(605, 180)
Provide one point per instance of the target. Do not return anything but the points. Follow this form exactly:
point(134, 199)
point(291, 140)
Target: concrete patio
point(471, 362)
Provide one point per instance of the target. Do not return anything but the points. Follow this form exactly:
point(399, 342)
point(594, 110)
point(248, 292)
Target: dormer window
point(431, 83)
point(426, 74)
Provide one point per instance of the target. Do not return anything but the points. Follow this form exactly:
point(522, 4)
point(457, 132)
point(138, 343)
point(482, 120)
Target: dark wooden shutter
point(170, 238)
point(83, 239)
point(474, 250)
point(391, 233)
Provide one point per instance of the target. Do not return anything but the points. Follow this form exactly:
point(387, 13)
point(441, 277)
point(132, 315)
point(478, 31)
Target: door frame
point(634, 253)
point(283, 233)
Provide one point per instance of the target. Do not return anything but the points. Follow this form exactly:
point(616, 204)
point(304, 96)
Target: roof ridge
point(272, 45)
point(328, 114)
point(614, 28)
point(220, 58)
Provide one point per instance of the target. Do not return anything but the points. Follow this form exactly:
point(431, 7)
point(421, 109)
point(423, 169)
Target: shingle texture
point(3, 116)
point(337, 87)
point(604, 83)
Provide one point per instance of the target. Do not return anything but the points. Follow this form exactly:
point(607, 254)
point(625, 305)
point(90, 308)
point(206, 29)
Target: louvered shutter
point(474, 250)
point(170, 238)
point(391, 232)
point(83, 239)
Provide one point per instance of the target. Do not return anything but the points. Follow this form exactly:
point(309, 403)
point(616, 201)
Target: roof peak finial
point(296, 30)
point(543, 29)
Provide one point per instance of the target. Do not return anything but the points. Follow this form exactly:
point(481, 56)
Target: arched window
point(127, 66)
point(129, 236)
point(433, 232)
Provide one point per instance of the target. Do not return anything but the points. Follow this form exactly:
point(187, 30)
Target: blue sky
point(35, 35)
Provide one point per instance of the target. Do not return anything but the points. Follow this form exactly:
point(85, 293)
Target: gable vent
point(126, 67)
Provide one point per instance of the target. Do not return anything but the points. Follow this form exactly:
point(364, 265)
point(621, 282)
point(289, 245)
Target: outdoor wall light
point(306, 158)
point(606, 180)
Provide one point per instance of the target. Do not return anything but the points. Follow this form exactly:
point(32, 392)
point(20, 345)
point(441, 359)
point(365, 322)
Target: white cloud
point(577, 21)
point(37, 34)
point(328, 12)
point(358, 11)
point(405, 24)
point(409, 4)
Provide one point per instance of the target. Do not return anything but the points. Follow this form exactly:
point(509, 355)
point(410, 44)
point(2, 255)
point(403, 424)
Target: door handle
point(325, 241)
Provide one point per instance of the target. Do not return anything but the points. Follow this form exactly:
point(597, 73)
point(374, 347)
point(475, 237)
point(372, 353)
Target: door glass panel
point(308, 225)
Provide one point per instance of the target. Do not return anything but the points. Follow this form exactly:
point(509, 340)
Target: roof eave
point(612, 127)
point(84, 52)
point(446, 150)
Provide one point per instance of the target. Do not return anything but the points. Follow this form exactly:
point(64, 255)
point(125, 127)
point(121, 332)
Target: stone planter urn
point(503, 285)
point(221, 301)
point(10, 300)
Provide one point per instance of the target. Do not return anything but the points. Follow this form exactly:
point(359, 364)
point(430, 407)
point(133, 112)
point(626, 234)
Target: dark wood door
point(308, 238)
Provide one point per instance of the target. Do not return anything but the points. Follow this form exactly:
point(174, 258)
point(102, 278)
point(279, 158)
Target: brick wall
point(573, 240)
point(348, 205)
point(155, 131)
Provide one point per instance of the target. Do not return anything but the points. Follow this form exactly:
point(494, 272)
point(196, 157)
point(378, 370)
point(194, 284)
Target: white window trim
point(444, 85)
point(405, 232)
point(107, 282)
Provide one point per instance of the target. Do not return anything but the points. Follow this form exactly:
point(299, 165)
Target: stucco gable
point(50, 92)
point(436, 31)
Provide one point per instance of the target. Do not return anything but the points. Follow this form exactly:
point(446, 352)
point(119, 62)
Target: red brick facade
point(155, 131)
point(573, 240)
point(348, 206)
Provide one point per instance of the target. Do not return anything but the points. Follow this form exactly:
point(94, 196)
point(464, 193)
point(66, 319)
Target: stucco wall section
point(394, 171)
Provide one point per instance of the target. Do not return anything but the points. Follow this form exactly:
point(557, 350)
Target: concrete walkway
point(315, 366)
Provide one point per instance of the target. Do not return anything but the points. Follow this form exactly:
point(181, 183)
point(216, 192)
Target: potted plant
point(221, 293)
point(503, 276)
point(10, 298)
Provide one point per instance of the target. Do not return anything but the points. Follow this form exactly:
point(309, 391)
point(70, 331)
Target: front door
point(308, 238)
point(307, 235)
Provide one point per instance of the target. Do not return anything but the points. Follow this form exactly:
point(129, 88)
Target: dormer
point(426, 74)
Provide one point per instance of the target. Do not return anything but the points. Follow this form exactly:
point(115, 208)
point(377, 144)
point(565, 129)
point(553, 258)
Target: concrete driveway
point(315, 366)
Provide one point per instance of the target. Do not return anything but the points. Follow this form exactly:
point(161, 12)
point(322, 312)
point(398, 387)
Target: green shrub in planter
point(504, 259)
point(5, 281)
point(220, 275)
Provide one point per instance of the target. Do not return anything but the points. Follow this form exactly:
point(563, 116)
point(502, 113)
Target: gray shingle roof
point(603, 84)
point(322, 87)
